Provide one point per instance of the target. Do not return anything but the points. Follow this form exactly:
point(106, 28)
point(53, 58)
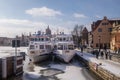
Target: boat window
point(42, 39)
point(60, 47)
point(64, 39)
point(60, 39)
point(47, 39)
point(31, 46)
point(65, 47)
point(31, 39)
point(39, 39)
point(71, 39)
point(47, 46)
point(41, 46)
point(70, 47)
point(67, 38)
point(35, 39)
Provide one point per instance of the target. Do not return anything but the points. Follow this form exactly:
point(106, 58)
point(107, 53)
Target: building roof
point(97, 23)
point(85, 30)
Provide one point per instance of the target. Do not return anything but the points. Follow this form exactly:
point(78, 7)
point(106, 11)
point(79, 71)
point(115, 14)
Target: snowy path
point(113, 67)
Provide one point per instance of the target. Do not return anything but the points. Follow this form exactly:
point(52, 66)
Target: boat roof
point(65, 42)
point(64, 35)
point(38, 43)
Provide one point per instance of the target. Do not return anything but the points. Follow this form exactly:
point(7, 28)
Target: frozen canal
point(57, 71)
point(54, 70)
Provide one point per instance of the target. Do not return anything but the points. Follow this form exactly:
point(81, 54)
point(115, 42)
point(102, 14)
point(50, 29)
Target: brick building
point(101, 31)
point(85, 36)
point(115, 36)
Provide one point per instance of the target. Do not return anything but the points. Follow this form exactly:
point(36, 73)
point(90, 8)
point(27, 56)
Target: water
point(52, 69)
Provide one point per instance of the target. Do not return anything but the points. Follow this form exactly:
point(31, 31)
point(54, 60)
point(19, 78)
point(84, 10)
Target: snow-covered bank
point(8, 50)
point(108, 65)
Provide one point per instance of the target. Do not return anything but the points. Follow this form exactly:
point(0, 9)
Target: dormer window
point(105, 24)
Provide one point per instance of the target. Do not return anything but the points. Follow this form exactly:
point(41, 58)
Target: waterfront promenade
point(107, 64)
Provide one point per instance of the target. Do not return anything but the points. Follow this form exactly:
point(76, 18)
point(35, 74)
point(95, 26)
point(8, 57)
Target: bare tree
point(77, 34)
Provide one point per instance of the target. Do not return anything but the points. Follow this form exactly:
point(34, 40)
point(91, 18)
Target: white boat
point(64, 47)
point(39, 47)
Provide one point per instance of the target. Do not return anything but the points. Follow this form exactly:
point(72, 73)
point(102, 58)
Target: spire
point(48, 27)
point(105, 18)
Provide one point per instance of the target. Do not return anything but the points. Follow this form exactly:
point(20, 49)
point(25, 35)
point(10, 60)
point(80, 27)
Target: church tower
point(48, 31)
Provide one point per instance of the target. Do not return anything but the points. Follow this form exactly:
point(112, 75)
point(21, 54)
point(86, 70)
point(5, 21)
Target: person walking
point(97, 53)
point(102, 54)
point(81, 49)
point(118, 50)
point(106, 55)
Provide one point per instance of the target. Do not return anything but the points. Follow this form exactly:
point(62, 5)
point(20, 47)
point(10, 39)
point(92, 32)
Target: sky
point(23, 16)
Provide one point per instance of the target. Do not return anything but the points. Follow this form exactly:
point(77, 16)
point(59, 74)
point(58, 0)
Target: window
point(105, 24)
point(47, 39)
point(109, 29)
point(31, 46)
point(60, 47)
point(99, 29)
point(60, 39)
point(96, 44)
point(39, 39)
point(31, 39)
point(64, 39)
point(47, 46)
point(71, 39)
point(41, 46)
point(35, 39)
point(70, 47)
point(42, 39)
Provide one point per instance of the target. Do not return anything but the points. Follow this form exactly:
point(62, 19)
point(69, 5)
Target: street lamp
point(99, 42)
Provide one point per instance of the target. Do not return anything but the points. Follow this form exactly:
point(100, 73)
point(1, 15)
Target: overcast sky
point(24, 16)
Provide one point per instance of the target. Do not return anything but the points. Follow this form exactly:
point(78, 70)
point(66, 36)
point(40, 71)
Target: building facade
point(5, 41)
point(115, 37)
point(101, 31)
point(85, 36)
point(90, 39)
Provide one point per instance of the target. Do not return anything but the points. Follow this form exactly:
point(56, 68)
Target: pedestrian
point(102, 54)
point(106, 55)
point(110, 56)
point(97, 54)
point(118, 50)
point(105, 48)
point(81, 49)
point(115, 49)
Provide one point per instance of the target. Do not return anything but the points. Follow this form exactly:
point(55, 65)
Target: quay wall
point(116, 58)
point(99, 71)
point(0, 69)
point(11, 66)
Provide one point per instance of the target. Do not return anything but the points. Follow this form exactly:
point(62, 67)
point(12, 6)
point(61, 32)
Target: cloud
point(97, 16)
point(43, 11)
point(78, 15)
point(13, 27)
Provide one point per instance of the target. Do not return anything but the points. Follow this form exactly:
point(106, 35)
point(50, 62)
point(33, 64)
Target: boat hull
point(65, 55)
point(38, 56)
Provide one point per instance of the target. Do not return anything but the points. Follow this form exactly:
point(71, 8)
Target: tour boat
point(39, 47)
point(64, 47)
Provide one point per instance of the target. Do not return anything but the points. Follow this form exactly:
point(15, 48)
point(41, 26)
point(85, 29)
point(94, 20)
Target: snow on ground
point(8, 51)
point(72, 72)
point(109, 65)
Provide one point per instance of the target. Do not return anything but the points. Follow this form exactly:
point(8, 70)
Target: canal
point(55, 70)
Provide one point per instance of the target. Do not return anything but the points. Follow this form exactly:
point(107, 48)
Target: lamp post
point(99, 42)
